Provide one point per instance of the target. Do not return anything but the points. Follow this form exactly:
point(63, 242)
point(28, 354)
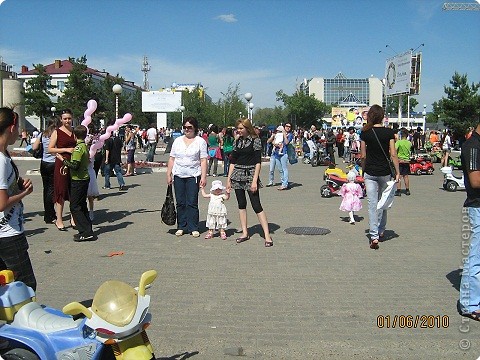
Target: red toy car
point(421, 166)
point(333, 183)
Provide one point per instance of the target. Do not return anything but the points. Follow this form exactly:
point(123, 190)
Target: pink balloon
point(91, 107)
point(126, 118)
point(108, 132)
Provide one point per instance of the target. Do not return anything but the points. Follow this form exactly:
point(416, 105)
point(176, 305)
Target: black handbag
point(169, 214)
point(393, 172)
point(38, 154)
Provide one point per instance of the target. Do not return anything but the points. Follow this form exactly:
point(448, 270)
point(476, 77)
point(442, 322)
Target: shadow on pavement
point(181, 356)
point(454, 277)
point(252, 230)
point(389, 235)
point(347, 219)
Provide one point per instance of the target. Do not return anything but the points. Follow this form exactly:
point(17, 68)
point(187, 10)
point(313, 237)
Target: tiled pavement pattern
point(308, 297)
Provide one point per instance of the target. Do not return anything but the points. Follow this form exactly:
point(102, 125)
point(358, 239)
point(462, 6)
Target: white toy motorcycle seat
point(34, 316)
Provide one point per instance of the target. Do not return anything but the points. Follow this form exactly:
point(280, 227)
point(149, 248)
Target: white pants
point(216, 222)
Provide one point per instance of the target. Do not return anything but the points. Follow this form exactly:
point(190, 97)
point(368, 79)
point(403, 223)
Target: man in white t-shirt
point(152, 139)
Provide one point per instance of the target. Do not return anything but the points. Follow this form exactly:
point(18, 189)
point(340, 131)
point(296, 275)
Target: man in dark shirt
point(113, 159)
point(470, 284)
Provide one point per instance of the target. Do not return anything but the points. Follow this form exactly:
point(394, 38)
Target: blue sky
point(262, 45)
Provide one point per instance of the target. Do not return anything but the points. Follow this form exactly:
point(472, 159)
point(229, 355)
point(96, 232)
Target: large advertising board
point(353, 116)
point(161, 101)
point(398, 74)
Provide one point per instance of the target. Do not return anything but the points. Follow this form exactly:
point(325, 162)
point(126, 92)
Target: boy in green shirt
point(404, 149)
point(80, 179)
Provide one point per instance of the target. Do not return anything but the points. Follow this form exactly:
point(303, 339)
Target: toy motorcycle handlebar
point(75, 308)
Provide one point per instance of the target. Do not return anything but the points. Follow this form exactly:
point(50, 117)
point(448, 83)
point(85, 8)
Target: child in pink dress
point(351, 194)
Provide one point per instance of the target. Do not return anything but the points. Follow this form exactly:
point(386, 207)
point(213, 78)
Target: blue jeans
point(377, 219)
point(226, 163)
point(470, 284)
point(281, 164)
point(118, 174)
point(151, 152)
point(186, 197)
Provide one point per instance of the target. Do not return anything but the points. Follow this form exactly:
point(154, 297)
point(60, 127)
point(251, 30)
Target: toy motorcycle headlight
point(115, 302)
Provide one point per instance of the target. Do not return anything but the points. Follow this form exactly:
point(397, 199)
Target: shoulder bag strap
point(381, 147)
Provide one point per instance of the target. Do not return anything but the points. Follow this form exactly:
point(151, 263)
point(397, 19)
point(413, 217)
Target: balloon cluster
point(108, 132)
point(87, 119)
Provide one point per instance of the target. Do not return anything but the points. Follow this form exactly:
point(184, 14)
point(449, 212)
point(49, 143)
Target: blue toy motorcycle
point(112, 328)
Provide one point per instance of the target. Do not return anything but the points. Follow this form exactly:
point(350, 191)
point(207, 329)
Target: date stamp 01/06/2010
point(413, 321)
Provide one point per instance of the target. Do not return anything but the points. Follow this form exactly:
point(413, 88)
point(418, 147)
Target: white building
point(59, 71)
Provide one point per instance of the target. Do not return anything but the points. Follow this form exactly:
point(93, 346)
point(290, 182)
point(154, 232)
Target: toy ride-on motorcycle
point(450, 181)
point(112, 328)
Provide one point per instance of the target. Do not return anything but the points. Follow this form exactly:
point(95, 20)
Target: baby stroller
point(307, 148)
point(320, 156)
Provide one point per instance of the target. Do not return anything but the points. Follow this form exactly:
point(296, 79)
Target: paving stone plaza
point(308, 297)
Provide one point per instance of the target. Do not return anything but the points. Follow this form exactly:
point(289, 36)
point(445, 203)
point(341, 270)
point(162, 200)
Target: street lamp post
point(182, 109)
point(117, 89)
point(52, 109)
point(250, 106)
point(424, 113)
point(248, 97)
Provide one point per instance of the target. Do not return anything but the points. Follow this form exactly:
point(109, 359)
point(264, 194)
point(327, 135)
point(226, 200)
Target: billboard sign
point(353, 116)
point(161, 101)
point(398, 74)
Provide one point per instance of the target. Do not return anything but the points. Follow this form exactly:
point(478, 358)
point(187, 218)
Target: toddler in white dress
point(217, 212)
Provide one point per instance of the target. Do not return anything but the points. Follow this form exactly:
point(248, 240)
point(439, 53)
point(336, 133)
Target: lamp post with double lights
point(248, 96)
point(117, 90)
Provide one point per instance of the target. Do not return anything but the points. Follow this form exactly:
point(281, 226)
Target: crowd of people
point(69, 173)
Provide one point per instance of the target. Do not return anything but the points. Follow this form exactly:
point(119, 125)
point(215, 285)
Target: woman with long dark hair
point(47, 168)
point(243, 176)
point(377, 143)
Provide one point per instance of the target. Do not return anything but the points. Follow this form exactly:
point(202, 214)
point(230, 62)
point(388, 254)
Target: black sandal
point(242, 239)
point(269, 243)
point(374, 244)
point(474, 315)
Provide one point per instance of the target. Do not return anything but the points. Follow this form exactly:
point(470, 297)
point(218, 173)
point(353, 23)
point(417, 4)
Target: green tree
point(79, 88)
point(460, 109)
point(303, 110)
point(392, 105)
point(197, 106)
point(230, 106)
point(38, 95)
point(271, 116)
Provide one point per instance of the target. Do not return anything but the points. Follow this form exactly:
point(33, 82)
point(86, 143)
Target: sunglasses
point(188, 127)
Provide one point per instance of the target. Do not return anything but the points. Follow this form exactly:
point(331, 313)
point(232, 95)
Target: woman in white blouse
point(187, 169)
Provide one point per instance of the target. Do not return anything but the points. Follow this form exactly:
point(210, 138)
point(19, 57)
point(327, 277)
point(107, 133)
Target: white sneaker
point(179, 232)
point(195, 234)
point(90, 215)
